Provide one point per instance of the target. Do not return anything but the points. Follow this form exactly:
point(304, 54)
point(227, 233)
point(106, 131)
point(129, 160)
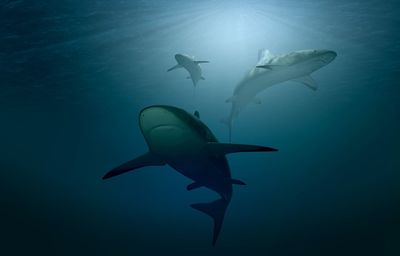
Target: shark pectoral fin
point(307, 81)
point(201, 61)
point(194, 185)
point(265, 67)
point(202, 78)
point(215, 210)
point(227, 148)
point(147, 159)
point(175, 67)
point(269, 66)
point(237, 182)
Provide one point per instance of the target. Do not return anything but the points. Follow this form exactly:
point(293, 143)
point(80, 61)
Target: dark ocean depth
point(74, 76)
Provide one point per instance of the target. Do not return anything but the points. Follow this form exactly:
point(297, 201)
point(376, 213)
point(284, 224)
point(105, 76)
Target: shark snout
point(327, 56)
point(179, 57)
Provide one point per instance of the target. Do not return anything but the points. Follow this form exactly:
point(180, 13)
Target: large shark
point(191, 65)
point(269, 70)
point(182, 141)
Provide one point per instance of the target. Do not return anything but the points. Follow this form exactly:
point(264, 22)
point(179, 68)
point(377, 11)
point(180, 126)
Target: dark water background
point(75, 74)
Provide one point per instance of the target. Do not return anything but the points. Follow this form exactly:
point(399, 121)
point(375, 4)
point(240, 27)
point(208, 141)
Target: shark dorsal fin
point(264, 54)
point(196, 114)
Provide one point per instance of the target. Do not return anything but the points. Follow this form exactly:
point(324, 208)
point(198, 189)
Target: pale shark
point(270, 70)
point(182, 141)
point(191, 65)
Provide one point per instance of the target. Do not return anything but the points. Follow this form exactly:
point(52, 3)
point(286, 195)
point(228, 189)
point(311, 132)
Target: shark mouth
point(325, 60)
point(171, 126)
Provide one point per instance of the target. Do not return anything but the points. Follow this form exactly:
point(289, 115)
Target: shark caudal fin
point(215, 210)
point(228, 122)
point(233, 114)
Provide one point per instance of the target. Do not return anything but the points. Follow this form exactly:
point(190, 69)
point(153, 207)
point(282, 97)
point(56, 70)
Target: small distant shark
point(269, 70)
point(191, 65)
point(182, 141)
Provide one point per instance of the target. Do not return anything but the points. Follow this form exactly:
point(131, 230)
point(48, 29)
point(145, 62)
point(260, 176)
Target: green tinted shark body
point(182, 141)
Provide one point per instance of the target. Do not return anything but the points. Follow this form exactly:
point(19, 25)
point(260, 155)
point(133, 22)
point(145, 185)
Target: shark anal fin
point(227, 148)
point(193, 185)
point(175, 67)
point(215, 210)
point(147, 159)
point(237, 182)
point(307, 81)
point(201, 61)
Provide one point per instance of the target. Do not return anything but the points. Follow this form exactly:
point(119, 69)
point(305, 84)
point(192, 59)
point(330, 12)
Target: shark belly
point(194, 71)
point(174, 141)
point(184, 150)
point(260, 82)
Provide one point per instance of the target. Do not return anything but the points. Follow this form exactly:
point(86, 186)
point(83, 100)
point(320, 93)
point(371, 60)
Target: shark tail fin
point(194, 81)
point(228, 122)
point(216, 210)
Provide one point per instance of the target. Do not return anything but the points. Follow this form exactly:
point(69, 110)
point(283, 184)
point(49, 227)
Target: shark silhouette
point(182, 141)
point(191, 65)
point(270, 70)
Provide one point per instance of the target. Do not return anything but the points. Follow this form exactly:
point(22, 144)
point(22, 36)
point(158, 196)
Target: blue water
point(75, 74)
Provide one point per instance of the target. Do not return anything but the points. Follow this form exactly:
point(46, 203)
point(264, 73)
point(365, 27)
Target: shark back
point(264, 55)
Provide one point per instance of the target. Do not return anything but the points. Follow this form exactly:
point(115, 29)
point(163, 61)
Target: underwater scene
point(200, 128)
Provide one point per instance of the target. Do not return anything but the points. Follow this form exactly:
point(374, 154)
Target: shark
point(180, 140)
point(192, 66)
point(270, 70)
